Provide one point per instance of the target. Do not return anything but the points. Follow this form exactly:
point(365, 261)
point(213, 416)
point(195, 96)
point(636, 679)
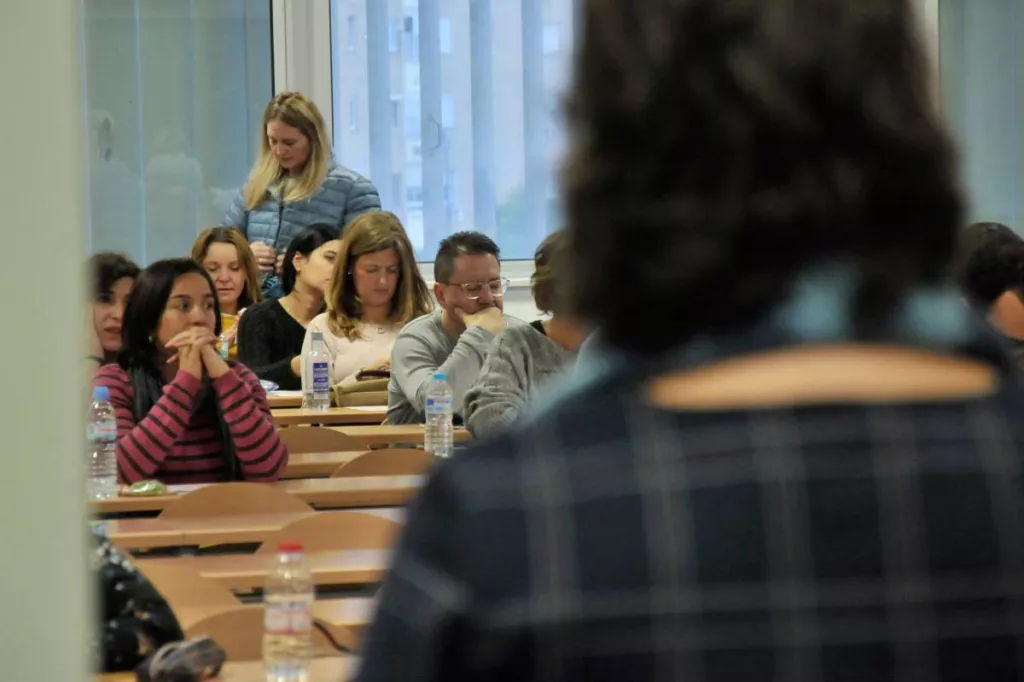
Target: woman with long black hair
point(184, 414)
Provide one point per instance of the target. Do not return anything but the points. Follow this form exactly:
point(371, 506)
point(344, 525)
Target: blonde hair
point(232, 235)
point(372, 233)
point(299, 112)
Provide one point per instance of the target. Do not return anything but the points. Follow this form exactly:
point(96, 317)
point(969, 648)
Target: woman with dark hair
point(810, 467)
point(112, 276)
point(271, 333)
point(184, 414)
point(524, 357)
point(225, 255)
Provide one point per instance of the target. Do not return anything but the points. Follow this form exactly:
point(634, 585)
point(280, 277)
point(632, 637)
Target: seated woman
point(112, 276)
point(375, 289)
point(225, 254)
point(271, 333)
point(522, 358)
point(184, 414)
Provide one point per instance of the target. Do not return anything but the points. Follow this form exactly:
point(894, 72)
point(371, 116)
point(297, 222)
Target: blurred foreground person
point(811, 468)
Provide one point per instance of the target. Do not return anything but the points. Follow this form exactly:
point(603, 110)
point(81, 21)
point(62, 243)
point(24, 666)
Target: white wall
point(982, 65)
point(46, 581)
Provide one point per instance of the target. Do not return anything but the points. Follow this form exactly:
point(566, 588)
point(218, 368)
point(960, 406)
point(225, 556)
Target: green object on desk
point(144, 488)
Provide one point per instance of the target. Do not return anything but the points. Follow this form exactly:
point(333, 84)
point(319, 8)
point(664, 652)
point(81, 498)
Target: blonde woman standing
point(375, 289)
point(295, 183)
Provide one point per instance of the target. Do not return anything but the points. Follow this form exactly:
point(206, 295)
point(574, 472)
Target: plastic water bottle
point(288, 621)
point(440, 409)
point(316, 375)
point(223, 345)
point(101, 444)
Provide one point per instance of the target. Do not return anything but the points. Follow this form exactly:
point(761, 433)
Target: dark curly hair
point(719, 148)
point(991, 262)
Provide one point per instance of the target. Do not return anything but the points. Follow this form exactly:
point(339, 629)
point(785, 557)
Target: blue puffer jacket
point(343, 195)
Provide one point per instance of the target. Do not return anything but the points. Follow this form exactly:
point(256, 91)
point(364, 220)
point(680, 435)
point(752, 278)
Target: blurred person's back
point(806, 463)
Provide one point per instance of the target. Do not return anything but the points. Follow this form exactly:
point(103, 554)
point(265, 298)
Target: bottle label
point(439, 405)
point(101, 432)
point(321, 378)
point(288, 618)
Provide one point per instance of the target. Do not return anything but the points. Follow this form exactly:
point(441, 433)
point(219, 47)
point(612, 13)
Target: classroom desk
point(280, 399)
point(347, 492)
point(297, 416)
point(248, 572)
point(317, 464)
point(331, 669)
point(239, 529)
point(386, 434)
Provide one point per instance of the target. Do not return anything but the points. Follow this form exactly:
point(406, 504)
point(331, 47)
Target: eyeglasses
point(475, 290)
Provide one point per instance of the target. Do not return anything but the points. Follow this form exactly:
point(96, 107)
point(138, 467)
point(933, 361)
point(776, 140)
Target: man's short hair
point(461, 244)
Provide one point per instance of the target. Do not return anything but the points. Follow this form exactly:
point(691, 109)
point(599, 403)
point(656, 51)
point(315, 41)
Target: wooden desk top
point(332, 669)
point(350, 612)
point(296, 416)
point(280, 399)
point(385, 434)
point(248, 572)
point(317, 464)
point(323, 493)
point(214, 530)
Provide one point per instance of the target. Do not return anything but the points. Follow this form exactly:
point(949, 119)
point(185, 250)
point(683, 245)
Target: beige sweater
point(348, 357)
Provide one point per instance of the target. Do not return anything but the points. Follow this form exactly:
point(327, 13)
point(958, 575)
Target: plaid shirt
point(608, 539)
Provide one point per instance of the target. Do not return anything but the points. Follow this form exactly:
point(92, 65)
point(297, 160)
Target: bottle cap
point(440, 376)
point(317, 336)
point(100, 393)
point(290, 547)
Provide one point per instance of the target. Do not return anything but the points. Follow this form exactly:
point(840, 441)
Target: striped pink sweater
point(169, 445)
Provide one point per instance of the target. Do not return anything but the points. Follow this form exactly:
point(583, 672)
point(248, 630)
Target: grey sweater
point(424, 347)
point(520, 360)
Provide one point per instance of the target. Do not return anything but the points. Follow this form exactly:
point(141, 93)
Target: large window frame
point(302, 61)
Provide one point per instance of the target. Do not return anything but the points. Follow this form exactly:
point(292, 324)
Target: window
point(174, 103)
point(396, 112)
point(982, 78)
point(445, 31)
point(447, 112)
point(395, 36)
point(475, 140)
point(353, 114)
point(552, 38)
point(353, 34)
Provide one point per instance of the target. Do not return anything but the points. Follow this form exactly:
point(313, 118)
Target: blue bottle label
point(321, 377)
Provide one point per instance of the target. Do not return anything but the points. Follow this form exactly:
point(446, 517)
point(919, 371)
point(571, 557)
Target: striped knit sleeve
point(259, 450)
point(143, 446)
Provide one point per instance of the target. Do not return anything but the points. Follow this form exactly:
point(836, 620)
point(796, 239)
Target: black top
point(268, 339)
point(539, 326)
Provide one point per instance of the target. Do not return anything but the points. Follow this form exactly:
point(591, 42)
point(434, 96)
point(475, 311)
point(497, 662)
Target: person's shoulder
point(111, 374)
point(520, 336)
point(265, 308)
point(419, 326)
point(341, 176)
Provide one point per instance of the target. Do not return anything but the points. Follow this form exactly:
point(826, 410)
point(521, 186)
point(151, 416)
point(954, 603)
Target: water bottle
point(316, 375)
point(439, 410)
point(288, 620)
point(101, 444)
point(223, 345)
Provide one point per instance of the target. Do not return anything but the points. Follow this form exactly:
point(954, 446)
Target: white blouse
point(348, 357)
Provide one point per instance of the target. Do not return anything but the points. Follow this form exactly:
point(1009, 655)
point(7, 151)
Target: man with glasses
point(454, 339)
